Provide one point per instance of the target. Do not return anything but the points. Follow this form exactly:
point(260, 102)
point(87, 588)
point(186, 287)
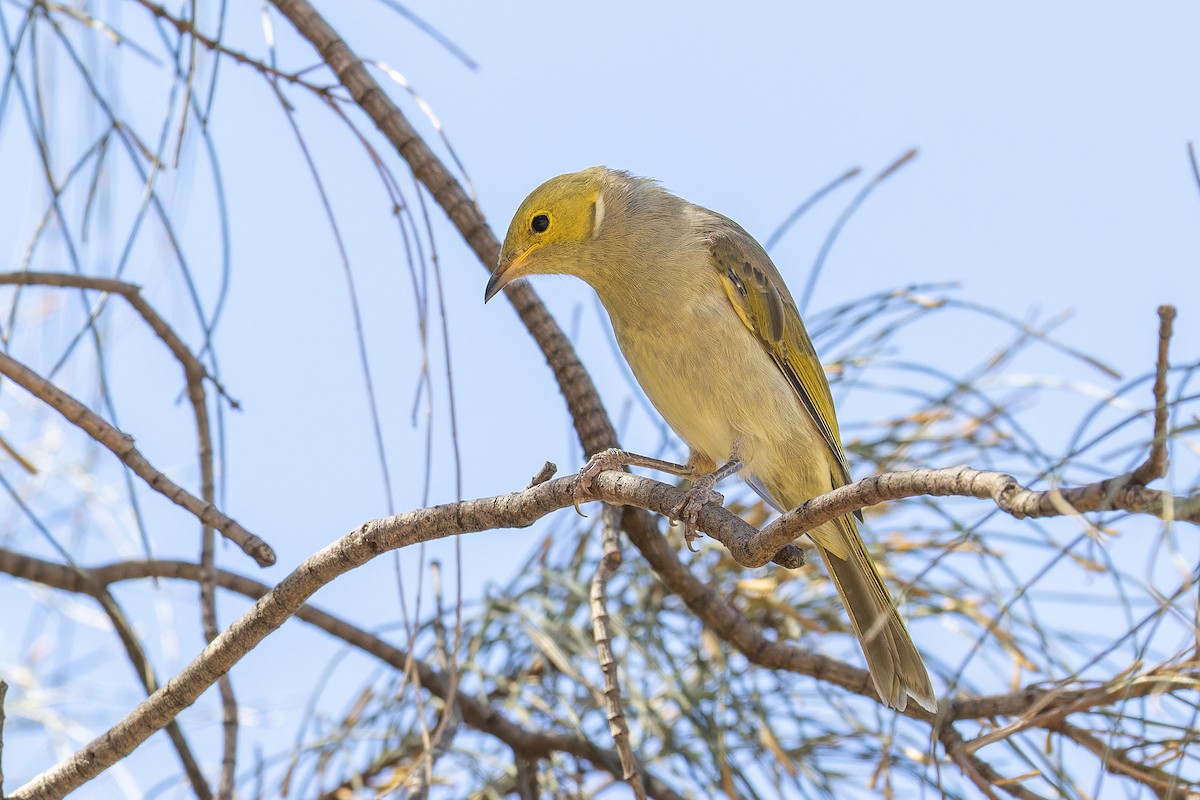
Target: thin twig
point(806, 204)
point(1114, 494)
point(982, 774)
point(188, 28)
point(1155, 465)
point(1163, 783)
point(544, 474)
point(23, 462)
point(3, 695)
point(526, 776)
point(132, 293)
point(121, 445)
point(836, 228)
point(610, 560)
point(438, 743)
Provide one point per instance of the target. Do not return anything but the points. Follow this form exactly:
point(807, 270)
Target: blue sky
point(1052, 175)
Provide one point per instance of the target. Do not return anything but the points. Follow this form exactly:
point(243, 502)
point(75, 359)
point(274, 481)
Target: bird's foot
point(612, 458)
point(688, 509)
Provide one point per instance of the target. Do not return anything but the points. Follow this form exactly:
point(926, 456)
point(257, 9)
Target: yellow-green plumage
point(716, 342)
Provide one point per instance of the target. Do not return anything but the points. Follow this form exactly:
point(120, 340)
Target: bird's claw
point(611, 458)
point(688, 510)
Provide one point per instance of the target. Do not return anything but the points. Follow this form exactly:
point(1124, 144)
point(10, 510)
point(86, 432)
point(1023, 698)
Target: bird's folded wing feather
point(761, 300)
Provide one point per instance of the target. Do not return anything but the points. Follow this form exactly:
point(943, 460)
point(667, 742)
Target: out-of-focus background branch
point(208, 203)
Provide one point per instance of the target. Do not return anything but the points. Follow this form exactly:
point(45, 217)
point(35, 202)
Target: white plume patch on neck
point(597, 214)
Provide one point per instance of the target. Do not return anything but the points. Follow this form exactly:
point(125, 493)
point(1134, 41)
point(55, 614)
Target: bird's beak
point(504, 274)
point(496, 282)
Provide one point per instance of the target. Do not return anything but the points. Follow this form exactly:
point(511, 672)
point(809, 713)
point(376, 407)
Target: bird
point(714, 338)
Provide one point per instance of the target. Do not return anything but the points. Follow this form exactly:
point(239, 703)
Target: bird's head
point(556, 230)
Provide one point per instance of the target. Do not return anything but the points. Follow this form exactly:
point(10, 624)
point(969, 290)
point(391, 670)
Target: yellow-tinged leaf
point(727, 781)
point(919, 756)
point(926, 301)
point(758, 587)
point(1091, 565)
point(767, 737)
point(712, 646)
point(355, 713)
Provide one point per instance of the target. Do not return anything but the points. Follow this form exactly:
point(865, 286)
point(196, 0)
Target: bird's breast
point(716, 386)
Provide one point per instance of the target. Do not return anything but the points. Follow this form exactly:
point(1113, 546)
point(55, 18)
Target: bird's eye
point(540, 223)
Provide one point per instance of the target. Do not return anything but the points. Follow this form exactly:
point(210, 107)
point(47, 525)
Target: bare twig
point(544, 474)
point(188, 28)
point(1155, 465)
point(438, 743)
point(121, 445)
point(1114, 494)
point(602, 633)
point(1192, 160)
point(836, 228)
point(982, 774)
point(3, 695)
point(1163, 783)
point(132, 293)
point(526, 777)
point(17, 457)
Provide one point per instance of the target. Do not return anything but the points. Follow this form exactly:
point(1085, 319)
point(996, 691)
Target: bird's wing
point(762, 301)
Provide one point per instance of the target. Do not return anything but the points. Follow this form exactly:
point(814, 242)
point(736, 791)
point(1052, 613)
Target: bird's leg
point(701, 493)
point(614, 458)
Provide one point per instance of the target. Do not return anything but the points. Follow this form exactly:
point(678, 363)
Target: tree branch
point(602, 633)
point(478, 714)
point(3, 695)
point(121, 445)
point(516, 509)
point(284, 600)
point(1155, 466)
point(978, 771)
point(195, 375)
point(1121, 493)
point(1163, 783)
point(591, 421)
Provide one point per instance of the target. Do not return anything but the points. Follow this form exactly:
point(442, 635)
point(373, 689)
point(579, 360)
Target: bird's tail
point(896, 666)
